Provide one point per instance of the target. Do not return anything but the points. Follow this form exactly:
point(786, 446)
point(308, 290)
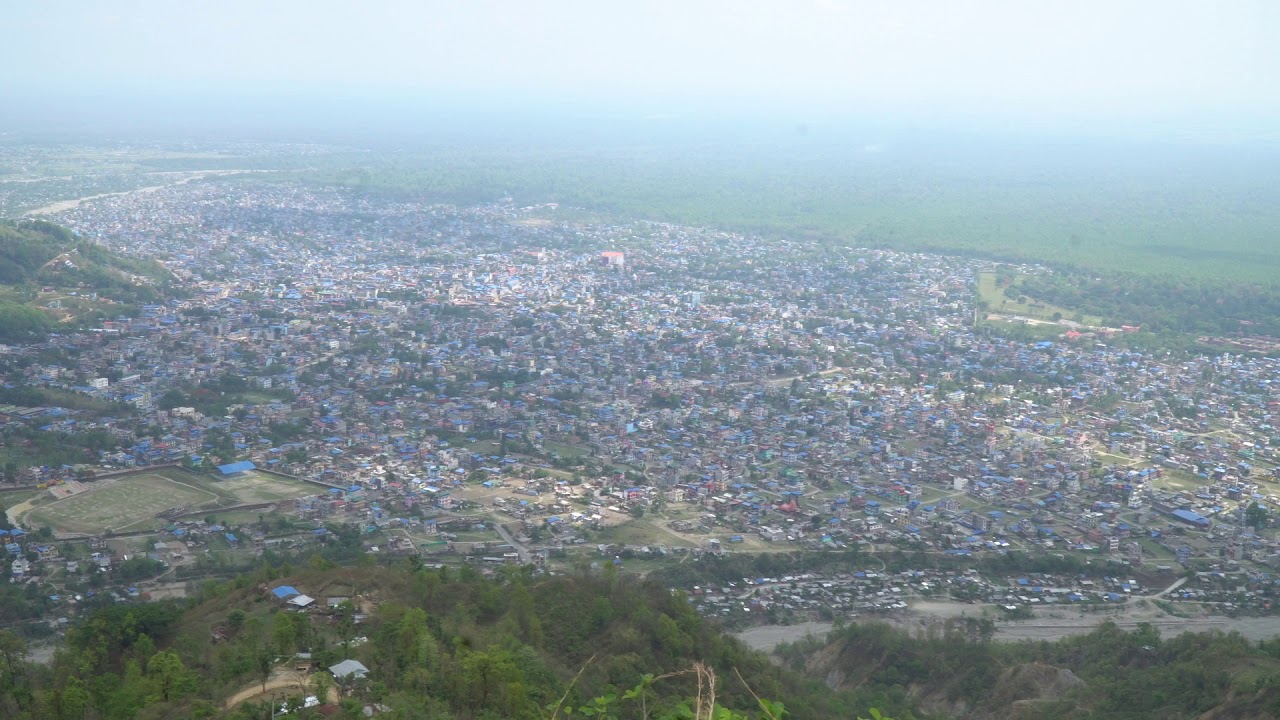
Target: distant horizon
point(1165, 69)
point(336, 116)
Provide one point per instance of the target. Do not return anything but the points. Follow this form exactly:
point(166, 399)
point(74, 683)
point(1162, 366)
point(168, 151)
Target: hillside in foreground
point(436, 643)
point(51, 279)
point(955, 671)
point(452, 643)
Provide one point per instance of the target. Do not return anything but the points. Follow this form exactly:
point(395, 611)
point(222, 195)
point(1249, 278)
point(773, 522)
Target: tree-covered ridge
point(438, 643)
point(451, 643)
point(49, 277)
point(957, 671)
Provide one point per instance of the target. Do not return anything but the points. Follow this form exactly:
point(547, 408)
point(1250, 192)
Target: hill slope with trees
point(452, 643)
point(51, 278)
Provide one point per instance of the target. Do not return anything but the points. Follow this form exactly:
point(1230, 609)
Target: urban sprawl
point(501, 384)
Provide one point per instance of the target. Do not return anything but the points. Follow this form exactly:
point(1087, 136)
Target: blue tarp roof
point(232, 468)
point(285, 591)
point(1190, 517)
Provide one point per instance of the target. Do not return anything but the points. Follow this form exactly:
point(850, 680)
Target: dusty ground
point(17, 511)
point(290, 681)
point(42, 653)
point(1048, 624)
point(768, 637)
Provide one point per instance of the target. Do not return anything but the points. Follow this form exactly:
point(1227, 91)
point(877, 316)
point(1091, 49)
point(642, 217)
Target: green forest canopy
point(447, 643)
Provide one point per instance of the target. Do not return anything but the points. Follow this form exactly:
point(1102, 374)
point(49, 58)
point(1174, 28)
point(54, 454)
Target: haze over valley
point(664, 360)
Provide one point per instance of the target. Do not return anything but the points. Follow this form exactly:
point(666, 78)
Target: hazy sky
point(1100, 59)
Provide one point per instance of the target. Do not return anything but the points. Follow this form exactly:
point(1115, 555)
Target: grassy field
point(484, 447)
point(255, 487)
point(568, 452)
point(1180, 480)
point(998, 301)
point(119, 504)
point(639, 532)
point(131, 502)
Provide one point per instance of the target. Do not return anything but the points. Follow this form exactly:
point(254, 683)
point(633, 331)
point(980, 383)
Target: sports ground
point(131, 502)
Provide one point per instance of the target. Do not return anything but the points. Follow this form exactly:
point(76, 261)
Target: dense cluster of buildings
point(784, 391)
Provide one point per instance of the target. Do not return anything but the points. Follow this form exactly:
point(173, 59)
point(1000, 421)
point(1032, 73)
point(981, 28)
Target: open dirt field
point(127, 503)
point(768, 637)
point(282, 683)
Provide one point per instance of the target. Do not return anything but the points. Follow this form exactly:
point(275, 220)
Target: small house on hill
point(349, 669)
point(284, 592)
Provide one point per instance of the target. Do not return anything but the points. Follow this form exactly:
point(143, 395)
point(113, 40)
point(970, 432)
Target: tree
point(172, 399)
point(75, 699)
point(13, 653)
point(265, 661)
point(671, 638)
point(486, 671)
point(283, 634)
point(346, 620)
point(1255, 516)
point(637, 511)
point(168, 673)
point(321, 683)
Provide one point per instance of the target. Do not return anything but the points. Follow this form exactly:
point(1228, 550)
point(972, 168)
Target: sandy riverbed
point(1048, 624)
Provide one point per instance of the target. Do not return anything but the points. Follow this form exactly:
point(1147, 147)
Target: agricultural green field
point(1147, 209)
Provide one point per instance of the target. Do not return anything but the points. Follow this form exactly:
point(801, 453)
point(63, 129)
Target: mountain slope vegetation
point(445, 642)
point(51, 278)
point(956, 671)
point(438, 643)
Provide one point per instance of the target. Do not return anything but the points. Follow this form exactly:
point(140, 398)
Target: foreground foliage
point(451, 643)
point(1109, 673)
point(440, 643)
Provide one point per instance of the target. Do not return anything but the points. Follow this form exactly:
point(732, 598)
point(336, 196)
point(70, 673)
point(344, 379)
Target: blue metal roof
point(232, 468)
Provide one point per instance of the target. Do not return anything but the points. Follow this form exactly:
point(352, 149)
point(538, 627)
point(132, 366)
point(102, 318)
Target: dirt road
point(291, 681)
